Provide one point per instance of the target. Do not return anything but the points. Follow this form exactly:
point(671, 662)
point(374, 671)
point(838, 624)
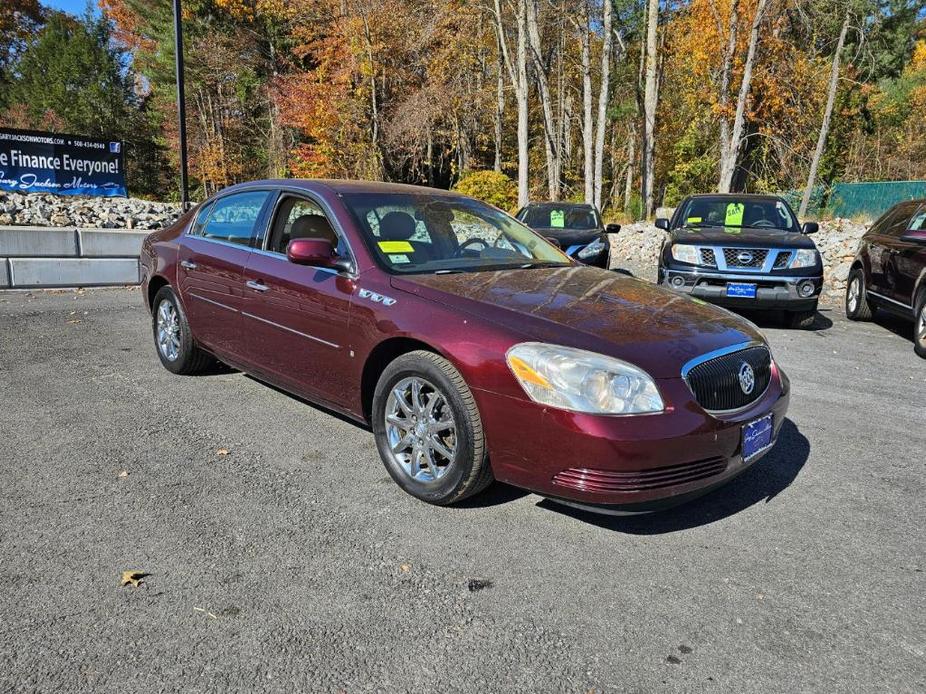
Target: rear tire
point(428, 429)
point(173, 339)
point(857, 306)
point(919, 326)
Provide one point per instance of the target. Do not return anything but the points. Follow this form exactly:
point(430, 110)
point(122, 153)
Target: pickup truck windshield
point(734, 214)
point(421, 233)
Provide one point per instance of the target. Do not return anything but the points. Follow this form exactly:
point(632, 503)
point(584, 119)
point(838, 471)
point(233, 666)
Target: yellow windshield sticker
point(557, 219)
point(734, 216)
point(693, 220)
point(396, 247)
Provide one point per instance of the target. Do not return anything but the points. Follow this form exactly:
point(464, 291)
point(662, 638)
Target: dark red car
point(889, 271)
point(475, 349)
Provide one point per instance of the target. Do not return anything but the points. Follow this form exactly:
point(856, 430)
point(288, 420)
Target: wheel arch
point(379, 358)
point(155, 284)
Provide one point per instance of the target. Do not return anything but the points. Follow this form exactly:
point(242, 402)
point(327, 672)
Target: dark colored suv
point(889, 272)
point(576, 228)
point(742, 251)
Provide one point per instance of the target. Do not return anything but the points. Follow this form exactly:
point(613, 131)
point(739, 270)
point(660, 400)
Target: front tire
point(428, 429)
point(919, 326)
point(173, 339)
point(857, 306)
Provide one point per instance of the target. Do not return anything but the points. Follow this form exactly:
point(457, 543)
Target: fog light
point(805, 289)
point(678, 282)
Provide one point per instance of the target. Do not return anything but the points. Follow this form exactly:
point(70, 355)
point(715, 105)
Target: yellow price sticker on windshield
point(396, 247)
point(557, 219)
point(693, 220)
point(734, 217)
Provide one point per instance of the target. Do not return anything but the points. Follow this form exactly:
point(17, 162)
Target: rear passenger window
point(919, 221)
point(234, 218)
point(201, 217)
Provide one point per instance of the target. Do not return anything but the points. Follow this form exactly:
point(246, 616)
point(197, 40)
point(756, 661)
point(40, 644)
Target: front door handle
point(256, 285)
point(188, 264)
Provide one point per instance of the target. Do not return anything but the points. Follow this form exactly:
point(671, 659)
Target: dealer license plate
point(744, 290)
point(757, 436)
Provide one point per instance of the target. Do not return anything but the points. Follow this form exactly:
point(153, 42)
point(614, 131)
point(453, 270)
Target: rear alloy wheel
point(172, 337)
point(857, 306)
point(919, 326)
point(428, 429)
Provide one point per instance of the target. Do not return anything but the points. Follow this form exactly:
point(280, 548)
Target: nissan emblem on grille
point(745, 257)
point(747, 378)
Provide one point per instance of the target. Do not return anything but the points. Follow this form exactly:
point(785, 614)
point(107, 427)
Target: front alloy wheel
point(857, 306)
point(420, 428)
point(919, 330)
point(172, 336)
point(168, 330)
point(428, 429)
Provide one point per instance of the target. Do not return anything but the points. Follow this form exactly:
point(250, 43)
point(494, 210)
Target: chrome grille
point(708, 258)
point(715, 383)
point(745, 257)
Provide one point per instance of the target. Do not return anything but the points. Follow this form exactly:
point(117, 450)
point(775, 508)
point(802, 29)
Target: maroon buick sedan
point(473, 348)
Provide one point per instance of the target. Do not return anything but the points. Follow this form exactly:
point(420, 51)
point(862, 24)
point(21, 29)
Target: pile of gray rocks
point(638, 244)
point(38, 209)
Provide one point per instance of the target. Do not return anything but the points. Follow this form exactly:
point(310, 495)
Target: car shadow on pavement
point(777, 319)
point(765, 480)
point(896, 324)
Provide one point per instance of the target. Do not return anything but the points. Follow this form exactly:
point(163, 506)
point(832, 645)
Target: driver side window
point(299, 218)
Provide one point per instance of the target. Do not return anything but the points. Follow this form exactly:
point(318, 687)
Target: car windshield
point(560, 217)
point(423, 233)
point(734, 214)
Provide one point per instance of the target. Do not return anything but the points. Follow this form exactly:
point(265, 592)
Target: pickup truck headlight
point(581, 381)
point(686, 254)
point(805, 257)
point(592, 249)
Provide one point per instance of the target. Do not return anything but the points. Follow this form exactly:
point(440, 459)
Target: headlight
point(592, 249)
point(686, 254)
point(805, 257)
point(573, 379)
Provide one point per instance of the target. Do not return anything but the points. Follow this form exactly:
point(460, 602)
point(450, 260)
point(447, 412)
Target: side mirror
point(662, 223)
point(810, 228)
point(612, 228)
point(317, 253)
point(915, 236)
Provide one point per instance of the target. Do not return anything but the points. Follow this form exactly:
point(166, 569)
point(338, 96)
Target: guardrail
point(50, 257)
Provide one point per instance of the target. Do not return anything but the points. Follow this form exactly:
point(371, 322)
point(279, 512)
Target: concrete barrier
point(104, 243)
point(35, 257)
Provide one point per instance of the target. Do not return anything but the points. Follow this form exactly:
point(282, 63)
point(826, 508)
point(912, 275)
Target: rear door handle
point(256, 285)
point(188, 264)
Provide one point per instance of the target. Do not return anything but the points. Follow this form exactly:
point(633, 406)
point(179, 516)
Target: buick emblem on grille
point(745, 257)
point(747, 378)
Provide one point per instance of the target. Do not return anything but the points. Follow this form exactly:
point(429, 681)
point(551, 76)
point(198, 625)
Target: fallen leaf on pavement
point(206, 612)
point(406, 568)
point(222, 451)
point(74, 321)
point(124, 473)
point(133, 578)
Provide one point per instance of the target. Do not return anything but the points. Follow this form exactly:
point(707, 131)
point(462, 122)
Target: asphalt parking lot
point(281, 555)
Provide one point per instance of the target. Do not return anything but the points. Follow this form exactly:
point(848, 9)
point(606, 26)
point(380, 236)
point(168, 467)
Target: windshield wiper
point(541, 263)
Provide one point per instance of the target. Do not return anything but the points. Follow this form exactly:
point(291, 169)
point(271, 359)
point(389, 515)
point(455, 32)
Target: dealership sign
point(38, 162)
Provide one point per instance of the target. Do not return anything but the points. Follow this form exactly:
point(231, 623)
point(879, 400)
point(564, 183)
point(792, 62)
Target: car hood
point(593, 309)
point(745, 238)
point(569, 237)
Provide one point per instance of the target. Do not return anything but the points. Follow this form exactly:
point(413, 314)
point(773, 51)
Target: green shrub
point(490, 186)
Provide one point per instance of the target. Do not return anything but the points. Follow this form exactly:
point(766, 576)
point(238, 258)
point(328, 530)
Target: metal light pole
point(181, 103)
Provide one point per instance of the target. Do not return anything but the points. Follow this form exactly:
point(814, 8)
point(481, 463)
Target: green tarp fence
point(859, 199)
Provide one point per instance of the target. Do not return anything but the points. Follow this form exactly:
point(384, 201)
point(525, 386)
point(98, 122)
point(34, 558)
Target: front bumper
point(632, 464)
point(772, 291)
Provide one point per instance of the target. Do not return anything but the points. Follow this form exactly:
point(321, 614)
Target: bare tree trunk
point(603, 94)
point(725, 82)
point(728, 166)
point(552, 145)
point(827, 116)
point(628, 182)
point(499, 111)
point(587, 136)
point(650, 99)
point(517, 74)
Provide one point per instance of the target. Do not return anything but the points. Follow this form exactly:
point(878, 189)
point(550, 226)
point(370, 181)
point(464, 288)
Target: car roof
point(341, 186)
point(736, 196)
point(559, 204)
